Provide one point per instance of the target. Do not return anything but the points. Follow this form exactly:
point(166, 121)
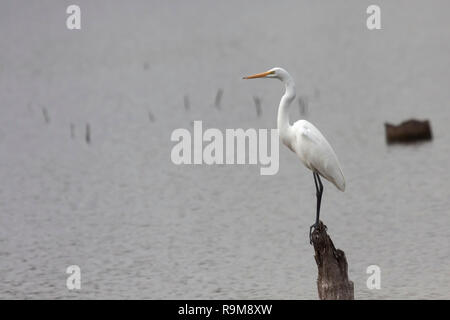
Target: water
point(141, 227)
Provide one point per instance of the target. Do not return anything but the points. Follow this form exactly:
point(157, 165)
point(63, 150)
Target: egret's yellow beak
point(259, 75)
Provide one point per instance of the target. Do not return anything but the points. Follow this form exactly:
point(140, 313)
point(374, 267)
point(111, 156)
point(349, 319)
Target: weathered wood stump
point(408, 131)
point(332, 281)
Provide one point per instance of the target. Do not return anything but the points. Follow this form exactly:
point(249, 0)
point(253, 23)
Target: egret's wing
point(315, 151)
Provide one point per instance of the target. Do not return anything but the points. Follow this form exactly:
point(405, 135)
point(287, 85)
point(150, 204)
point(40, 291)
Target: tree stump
point(408, 131)
point(332, 281)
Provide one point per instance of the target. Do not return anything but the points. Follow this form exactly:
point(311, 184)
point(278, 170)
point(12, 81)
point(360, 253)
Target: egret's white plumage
point(316, 153)
point(305, 139)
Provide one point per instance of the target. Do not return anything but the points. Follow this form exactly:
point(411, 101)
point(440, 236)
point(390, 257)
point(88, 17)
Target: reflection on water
point(141, 227)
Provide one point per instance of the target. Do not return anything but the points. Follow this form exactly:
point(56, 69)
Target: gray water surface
point(141, 227)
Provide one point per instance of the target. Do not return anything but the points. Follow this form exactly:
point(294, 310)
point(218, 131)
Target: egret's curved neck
point(283, 109)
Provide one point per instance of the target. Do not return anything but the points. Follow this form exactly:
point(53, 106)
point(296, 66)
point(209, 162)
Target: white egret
point(305, 140)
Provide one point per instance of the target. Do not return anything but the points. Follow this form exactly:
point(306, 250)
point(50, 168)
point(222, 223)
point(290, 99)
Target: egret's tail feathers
point(341, 186)
point(339, 182)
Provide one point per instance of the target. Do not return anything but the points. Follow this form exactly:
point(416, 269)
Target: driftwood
point(408, 131)
point(332, 281)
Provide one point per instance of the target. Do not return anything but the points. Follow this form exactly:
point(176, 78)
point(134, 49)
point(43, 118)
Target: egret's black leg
point(319, 199)
point(319, 191)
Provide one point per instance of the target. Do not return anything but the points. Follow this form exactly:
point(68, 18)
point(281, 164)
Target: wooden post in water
point(72, 130)
point(45, 114)
point(303, 105)
point(151, 117)
point(218, 98)
point(257, 101)
point(88, 133)
point(332, 281)
point(187, 104)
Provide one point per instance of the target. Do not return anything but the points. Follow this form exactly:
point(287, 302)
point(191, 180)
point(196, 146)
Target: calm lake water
point(141, 227)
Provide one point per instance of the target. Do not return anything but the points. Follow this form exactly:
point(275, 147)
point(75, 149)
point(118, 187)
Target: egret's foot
point(314, 226)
